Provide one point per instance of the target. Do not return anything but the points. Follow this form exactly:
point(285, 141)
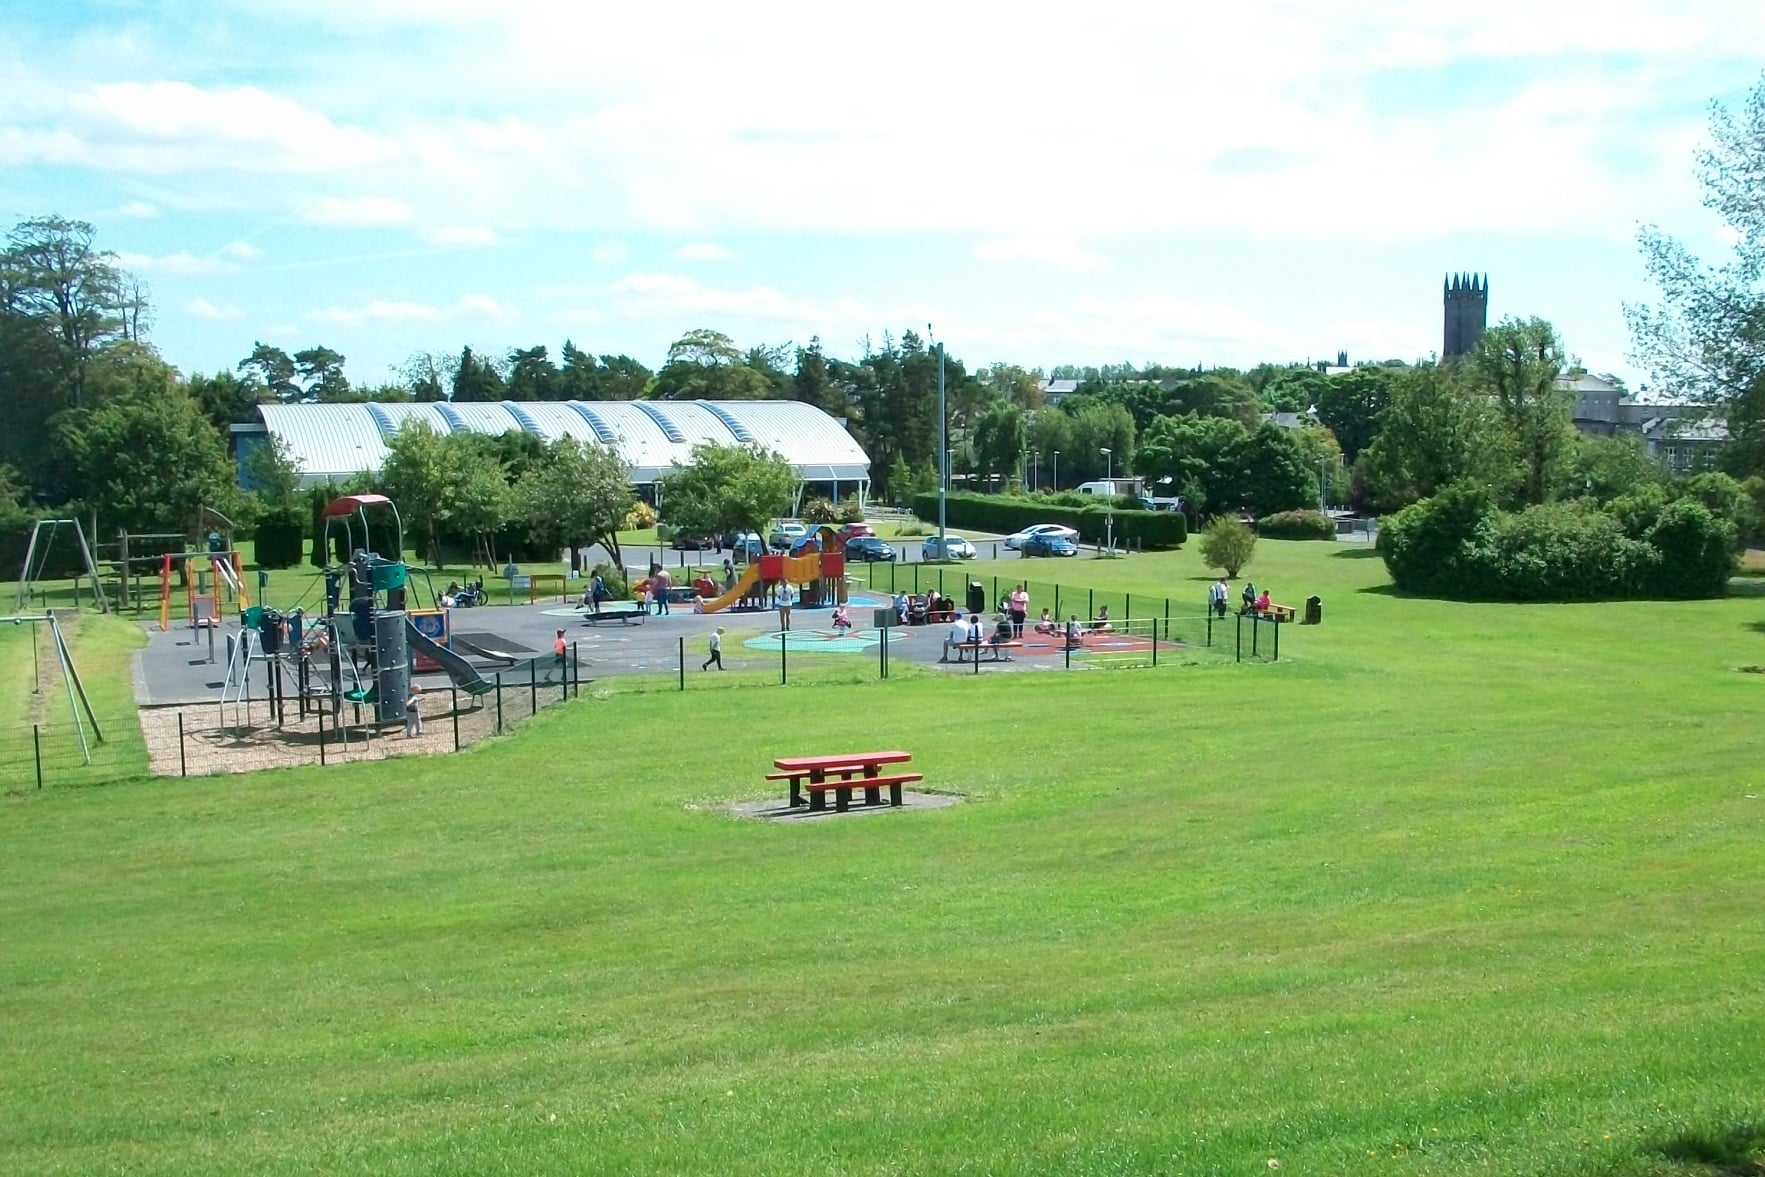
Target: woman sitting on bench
point(1001, 630)
point(1100, 623)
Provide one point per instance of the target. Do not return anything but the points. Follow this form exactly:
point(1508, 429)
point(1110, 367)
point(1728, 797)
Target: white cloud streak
point(471, 307)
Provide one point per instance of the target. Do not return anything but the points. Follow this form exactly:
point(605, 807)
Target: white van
point(1112, 486)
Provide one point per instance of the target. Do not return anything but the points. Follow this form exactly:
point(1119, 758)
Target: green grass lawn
point(1451, 889)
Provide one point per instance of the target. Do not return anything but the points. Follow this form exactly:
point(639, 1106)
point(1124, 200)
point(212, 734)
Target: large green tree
point(1203, 457)
point(1706, 338)
point(52, 272)
point(1350, 404)
point(1000, 438)
point(444, 483)
point(576, 495)
point(728, 488)
point(1434, 431)
point(1517, 364)
point(148, 458)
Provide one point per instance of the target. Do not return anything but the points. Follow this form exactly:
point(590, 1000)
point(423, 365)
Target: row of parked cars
point(862, 543)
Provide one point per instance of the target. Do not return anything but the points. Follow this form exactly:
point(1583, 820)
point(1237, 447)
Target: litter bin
point(1314, 610)
point(977, 597)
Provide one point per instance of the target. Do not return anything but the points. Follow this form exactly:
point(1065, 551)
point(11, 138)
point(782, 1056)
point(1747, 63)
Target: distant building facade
point(1683, 437)
point(1466, 298)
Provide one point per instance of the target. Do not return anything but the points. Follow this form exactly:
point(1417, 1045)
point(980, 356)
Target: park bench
point(624, 611)
point(1001, 651)
point(841, 774)
point(1278, 612)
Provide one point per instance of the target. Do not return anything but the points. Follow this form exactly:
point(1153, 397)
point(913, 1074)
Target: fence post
point(1066, 644)
point(883, 657)
point(1238, 646)
point(1255, 632)
point(533, 687)
point(1057, 602)
point(784, 672)
point(37, 751)
point(1155, 641)
point(576, 670)
point(454, 694)
point(499, 701)
point(682, 641)
point(1090, 603)
point(1128, 607)
point(322, 710)
point(1277, 656)
point(183, 770)
point(1167, 618)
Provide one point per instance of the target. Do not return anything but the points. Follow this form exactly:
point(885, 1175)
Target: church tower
point(1467, 313)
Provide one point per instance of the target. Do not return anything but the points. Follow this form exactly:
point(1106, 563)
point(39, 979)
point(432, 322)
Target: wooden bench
point(842, 773)
point(1001, 650)
point(625, 611)
point(1278, 612)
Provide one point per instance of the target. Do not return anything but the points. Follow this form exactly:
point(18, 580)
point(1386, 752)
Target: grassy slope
point(1467, 888)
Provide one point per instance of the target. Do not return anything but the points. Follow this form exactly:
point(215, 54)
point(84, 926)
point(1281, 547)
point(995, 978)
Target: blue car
point(1049, 545)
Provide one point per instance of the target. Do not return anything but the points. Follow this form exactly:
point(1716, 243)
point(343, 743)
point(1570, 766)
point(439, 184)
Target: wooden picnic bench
point(1278, 612)
point(1001, 650)
point(841, 774)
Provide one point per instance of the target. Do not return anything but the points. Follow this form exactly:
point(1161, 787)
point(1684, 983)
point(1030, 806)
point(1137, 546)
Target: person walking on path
point(716, 658)
point(413, 714)
point(559, 646)
point(597, 592)
point(786, 597)
point(1020, 610)
point(663, 584)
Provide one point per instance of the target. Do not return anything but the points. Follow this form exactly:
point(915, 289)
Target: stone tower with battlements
point(1467, 313)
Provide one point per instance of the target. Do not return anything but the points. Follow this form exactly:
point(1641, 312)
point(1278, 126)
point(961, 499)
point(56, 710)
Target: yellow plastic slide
point(797, 570)
point(748, 579)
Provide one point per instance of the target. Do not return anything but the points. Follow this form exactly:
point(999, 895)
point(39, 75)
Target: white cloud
point(364, 211)
point(1060, 253)
point(135, 210)
point(474, 236)
point(182, 263)
point(609, 253)
point(476, 307)
point(241, 251)
point(201, 308)
point(685, 302)
point(180, 127)
point(704, 251)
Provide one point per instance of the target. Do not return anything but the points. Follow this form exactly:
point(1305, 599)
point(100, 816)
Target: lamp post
point(1056, 481)
point(1109, 502)
point(1323, 489)
point(943, 452)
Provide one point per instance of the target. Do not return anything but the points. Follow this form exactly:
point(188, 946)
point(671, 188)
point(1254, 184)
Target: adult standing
point(1020, 610)
point(784, 599)
point(663, 583)
point(1216, 597)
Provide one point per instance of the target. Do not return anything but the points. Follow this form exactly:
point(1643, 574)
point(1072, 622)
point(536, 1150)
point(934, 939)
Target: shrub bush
point(1227, 543)
point(1696, 551)
point(281, 536)
point(1426, 545)
point(641, 517)
point(1457, 544)
point(1152, 530)
point(821, 510)
point(1296, 525)
point(614, 578)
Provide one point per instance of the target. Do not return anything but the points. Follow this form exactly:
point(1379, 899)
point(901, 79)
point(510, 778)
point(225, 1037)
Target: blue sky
point(1045, 184)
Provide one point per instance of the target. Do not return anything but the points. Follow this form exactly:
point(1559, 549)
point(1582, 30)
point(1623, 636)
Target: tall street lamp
point(1056, 486)
point(943, 452)
point(1109, 502)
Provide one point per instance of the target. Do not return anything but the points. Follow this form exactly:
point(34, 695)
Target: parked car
point(854, 530)
point(748, 544)
point(955, 548)
point(785, 535)
point(1048, 544)
point(868, 549)
point(1016, 539)
point(687, 542)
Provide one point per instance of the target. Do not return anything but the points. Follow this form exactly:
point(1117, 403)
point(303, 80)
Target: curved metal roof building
point(337, 441)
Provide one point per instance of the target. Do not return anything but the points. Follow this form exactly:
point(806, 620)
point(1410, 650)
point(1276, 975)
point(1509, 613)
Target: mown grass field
point(1450, 889)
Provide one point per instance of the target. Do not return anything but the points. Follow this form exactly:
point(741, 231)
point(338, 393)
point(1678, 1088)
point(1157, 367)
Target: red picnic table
point(842, 773)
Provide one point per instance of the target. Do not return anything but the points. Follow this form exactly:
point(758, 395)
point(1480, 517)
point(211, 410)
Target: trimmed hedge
point(281, 536)
point(1296, 525)
point(1457, 544)
point(1152, 530)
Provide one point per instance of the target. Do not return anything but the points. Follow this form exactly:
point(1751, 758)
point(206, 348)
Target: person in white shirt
point(716, 658)
point(785, 598)
point(1216, 597)
point(958, 634)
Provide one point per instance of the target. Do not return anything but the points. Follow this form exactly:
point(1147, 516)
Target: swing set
point(37, 560)
point(70, 678)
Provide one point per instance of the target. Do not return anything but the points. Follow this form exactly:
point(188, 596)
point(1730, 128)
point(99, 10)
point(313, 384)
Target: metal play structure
point(77, 702)
point(37, 559)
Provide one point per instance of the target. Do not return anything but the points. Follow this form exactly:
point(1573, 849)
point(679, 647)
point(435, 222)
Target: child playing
point(842, 619)
point(413, 718)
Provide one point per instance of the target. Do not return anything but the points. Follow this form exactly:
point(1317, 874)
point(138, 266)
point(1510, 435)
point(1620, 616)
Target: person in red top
point(559, 646)
point(1262, 602)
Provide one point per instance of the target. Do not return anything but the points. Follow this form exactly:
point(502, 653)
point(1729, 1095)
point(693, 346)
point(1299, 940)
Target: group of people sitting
point(929, 608)
point(455, 597)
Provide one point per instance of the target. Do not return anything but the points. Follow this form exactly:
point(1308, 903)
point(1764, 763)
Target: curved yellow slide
point(797, 570)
